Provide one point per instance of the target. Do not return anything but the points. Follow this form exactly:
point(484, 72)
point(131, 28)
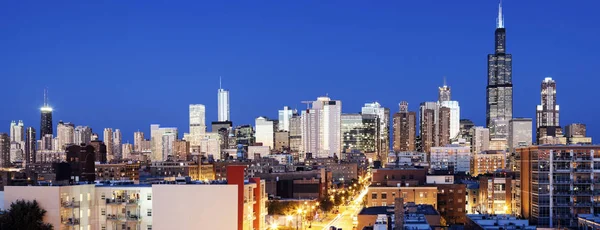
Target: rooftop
point(499, 221)
point(595, 218)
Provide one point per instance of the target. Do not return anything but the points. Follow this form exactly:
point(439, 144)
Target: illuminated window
point(149, 196)
point(89, 196)
point(149, 212)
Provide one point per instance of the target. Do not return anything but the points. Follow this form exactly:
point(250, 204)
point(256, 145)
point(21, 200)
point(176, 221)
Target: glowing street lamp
point(274, 226)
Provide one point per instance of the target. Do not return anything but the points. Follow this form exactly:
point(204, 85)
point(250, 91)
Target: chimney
point(399, 213)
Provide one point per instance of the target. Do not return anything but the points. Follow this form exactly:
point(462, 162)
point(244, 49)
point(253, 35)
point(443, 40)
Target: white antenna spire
point(45, 97)
point(220, 82)
point(500, 20)
point(445, 81)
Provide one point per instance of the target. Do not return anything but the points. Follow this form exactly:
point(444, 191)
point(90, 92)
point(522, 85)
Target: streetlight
point(274, 226)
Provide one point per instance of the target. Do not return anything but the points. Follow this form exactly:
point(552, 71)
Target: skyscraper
point(295, 134)
point(499, 94)
point(265, 131)
point(66, 133)
point(444, 100)
point(405, 129)
point(443, 126)
point(428, 127)
point(321, 128)
point(382, 138)
point(223, 103)
point(156, 140)
point(30, 146)
point(284, 118)
point(197, 124)
point(519, 133)
point(547, 113)
point(117, 140)
point(46, 119)
point(481, 139)
point(444, 92)
point(83, 135)
point(108, 141)
point(17, 131)
point(138, 139)
point(4, 150)
point(351, 126)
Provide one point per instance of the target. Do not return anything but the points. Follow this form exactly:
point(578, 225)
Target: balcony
point(562, 204)
point(560, 169)
point(70, 221)
point(582, 193)
point(583, 204)
point(70, 204)
point(132, 202)
point(112, 217)
point(562, 181)
point(133, 218)
point(582, 158)
point(583, 181)
point(562, 158)
point(582, 170)
point(562, 193)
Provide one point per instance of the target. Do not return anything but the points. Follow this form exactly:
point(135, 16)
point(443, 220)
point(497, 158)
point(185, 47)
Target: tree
point(26, 215)
point(326, 205)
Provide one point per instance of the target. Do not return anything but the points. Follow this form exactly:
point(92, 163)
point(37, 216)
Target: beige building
point(487, 162)
point(384, 196)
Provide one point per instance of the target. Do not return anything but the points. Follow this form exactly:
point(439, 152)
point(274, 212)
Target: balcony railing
point(582, 158)
point(132, 201)
point(582, 193)
point(582, 169)
point(133, 218)
point(562, 193)
point(70, 204)
point(562, 204)
point(562, 181)
point(583, 181)
point(71, 221)
point(562, 158)
point(583, 204)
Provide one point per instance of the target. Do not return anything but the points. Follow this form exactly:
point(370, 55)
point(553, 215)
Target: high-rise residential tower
point(405, 126)
point(382, 138)
point(223, 103)
point(321, 128)
point(443, 124)
point(83, 135)
point(499, 94)
point(65, 134)
point(265, 131)
point(284, 118)
point(197, 124)
point(138, 139)
point(156, 141)
point(108, 141)
point(519, 133)
point(30, 146)
point(4, 150)
point(46, 119)
point(117, 140)
point(17, 131)
point(444, 92)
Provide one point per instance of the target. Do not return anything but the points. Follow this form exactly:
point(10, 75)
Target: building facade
point(452, 157)
point(405, 129)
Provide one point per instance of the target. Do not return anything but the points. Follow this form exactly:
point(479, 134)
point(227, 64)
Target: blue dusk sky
point(128, 64)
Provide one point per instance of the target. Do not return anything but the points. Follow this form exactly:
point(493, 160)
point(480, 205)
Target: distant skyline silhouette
point(127, 65)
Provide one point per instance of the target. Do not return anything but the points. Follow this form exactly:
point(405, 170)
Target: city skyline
point(131, 112)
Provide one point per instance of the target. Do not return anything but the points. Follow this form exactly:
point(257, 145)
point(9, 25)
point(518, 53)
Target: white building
point(210, 145)
point(481, 139)
point(117, 140)
point(265, 131)
point(284, 159)
point(321, 128)
point(156, 139)
point(255, 152)
point(138, 139)
point(284, 118)
point(519, 133)
point(168, 142)
point(17, 131)
point(127, 149)
point(16, 151)
point(451, 156)
point(197, 124)
point(384, 125)
point(83, 134)
point(454, 117)
point(223, 106)
point(108, 141)
point(66, 133)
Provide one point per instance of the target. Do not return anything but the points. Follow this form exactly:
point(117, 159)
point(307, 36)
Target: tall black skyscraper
point(30, 143)
point(499, 88)
point(46, 119)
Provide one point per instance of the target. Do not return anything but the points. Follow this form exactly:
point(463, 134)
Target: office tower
point(108, 141)
point(481, 139)
point(576, 134)
point(100, 151)
point(168, 143)
point(46, 119)
point(519, 133)
point(197, 124)
point(557, 183)
point(428, 128)
point(244, 135)
point(223, 104)
point(465, 129)
point(225, 131)
point(405, 129)
point(46, 142)
point(321, 128)
point(83, 135)
point(296, 134)
point(4, 150)
point(499, 95)
point(284, 118)
point(156, 139)
point(444, 92)
point(17, 131)
point(265, 131)
point(383, 131)
point(444, 126)
point(368, 136)
point(454, 124)
point(30, 146)
point(66, 133)
point(117, 140)
point(352, 130)
point(138, 138)
point(547, 113)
